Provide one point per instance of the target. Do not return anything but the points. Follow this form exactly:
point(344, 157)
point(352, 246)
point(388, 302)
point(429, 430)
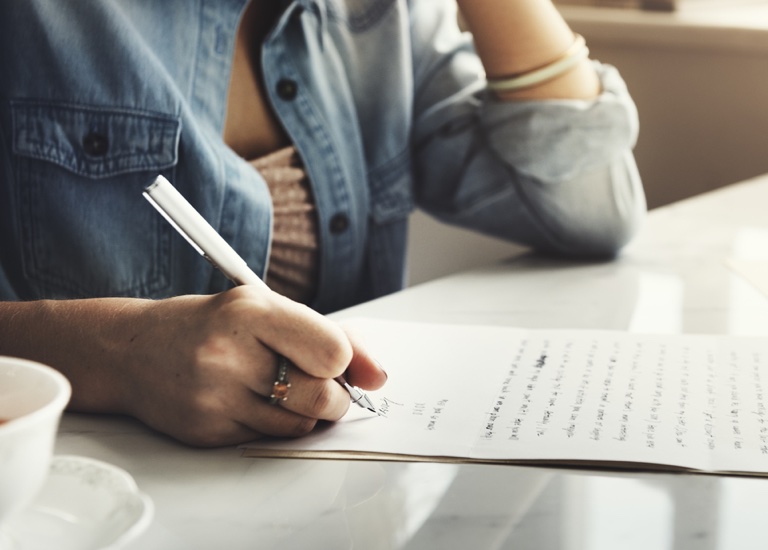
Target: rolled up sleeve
point(556, 175)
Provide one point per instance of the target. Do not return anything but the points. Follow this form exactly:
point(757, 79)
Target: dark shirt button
point(287, 89)
point(95, 144)
point(339, 223)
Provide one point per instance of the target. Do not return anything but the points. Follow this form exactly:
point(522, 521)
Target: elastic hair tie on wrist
point(569, 59)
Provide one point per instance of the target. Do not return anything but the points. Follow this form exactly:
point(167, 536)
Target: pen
point(192, 226)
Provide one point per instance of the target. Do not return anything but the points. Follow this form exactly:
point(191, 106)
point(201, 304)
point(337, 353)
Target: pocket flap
point(95, 142)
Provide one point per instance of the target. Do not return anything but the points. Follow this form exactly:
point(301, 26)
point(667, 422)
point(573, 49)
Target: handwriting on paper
point(430, 413)
point(655, 393)
point(496, 393)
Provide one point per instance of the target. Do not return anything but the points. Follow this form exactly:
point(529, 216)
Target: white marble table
point(678, 277)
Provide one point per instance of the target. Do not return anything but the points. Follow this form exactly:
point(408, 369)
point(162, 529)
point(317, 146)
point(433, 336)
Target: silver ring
point(281, 385)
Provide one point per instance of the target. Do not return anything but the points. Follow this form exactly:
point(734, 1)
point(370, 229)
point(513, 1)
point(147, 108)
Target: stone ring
point(281, 384)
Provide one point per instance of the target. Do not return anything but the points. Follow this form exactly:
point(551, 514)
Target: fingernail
point(382, 369)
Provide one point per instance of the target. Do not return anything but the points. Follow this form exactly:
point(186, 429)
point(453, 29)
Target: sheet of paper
point(500, 394)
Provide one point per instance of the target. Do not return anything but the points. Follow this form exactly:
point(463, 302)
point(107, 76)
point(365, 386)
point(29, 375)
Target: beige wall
point(703, 103)
point(703, 118)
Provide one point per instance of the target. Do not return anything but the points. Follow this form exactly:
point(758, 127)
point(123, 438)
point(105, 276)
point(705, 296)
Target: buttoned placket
point(339, 211)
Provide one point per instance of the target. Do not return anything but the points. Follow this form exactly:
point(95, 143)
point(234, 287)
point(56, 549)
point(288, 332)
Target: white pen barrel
point(199, 232)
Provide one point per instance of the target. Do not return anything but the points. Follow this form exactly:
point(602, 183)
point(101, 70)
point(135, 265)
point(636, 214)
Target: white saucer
point(85, 504)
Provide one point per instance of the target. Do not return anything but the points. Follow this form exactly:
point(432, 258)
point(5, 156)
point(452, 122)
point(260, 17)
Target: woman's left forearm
point(513, 37)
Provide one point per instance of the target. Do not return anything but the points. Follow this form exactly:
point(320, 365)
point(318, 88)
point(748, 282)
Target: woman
point(305, 131)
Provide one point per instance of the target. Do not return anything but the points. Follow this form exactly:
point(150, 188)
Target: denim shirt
point(385, 101)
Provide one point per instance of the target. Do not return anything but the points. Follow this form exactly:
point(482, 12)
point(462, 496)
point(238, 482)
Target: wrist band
point(569, 59)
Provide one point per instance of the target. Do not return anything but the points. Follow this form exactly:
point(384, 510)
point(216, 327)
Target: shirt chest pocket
point(79, 173)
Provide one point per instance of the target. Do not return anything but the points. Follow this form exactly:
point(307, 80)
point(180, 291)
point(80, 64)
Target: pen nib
point(358, 397)
point(365, 402)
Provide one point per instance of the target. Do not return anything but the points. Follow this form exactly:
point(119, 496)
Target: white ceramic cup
point(32, 398)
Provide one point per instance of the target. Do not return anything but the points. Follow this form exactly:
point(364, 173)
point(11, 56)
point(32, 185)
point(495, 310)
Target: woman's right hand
point(201, 368)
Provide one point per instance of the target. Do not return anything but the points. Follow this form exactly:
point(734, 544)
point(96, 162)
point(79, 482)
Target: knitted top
point(293, 261)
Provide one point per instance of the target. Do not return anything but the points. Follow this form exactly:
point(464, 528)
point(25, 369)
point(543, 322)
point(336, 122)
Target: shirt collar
point(318, 8)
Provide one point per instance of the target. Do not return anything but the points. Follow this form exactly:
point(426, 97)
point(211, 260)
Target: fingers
point(317, 396)
point(225, 416)
point(297, 406)
point(212, 386)
point(254, 420)
point(274, 420)
point(364, 370)
point(320, 349)
point(315, 344)
point(305, 395)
